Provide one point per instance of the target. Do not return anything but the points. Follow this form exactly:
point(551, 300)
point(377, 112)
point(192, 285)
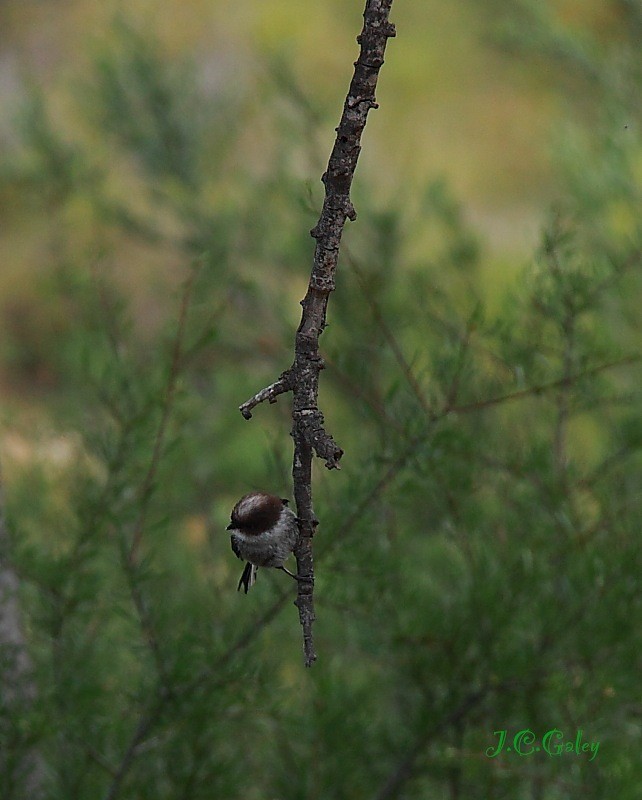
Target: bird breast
point(269, 548)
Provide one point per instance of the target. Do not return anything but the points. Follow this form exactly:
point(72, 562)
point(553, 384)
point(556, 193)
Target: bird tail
point(248, 578)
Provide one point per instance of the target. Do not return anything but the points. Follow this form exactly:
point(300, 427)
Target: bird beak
point(229, 527)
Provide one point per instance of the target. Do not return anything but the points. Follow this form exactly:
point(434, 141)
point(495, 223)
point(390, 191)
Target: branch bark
point(302, 378)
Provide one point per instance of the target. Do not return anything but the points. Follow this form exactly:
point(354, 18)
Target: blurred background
point(478, 554)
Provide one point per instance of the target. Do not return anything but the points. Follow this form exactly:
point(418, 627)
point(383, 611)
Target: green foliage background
point(478, 556)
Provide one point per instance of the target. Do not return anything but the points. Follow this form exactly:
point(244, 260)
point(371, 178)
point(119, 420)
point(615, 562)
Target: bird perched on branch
point(263, 533)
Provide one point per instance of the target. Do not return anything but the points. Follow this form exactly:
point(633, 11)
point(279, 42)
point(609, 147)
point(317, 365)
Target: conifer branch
point(25, 768)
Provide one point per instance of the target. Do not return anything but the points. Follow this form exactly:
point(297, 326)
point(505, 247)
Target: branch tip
point(270, 393)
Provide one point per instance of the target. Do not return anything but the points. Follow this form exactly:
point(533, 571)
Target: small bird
point(264, 532)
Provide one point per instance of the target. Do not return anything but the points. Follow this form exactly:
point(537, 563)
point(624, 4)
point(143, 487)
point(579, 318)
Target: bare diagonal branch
point(308, 430)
